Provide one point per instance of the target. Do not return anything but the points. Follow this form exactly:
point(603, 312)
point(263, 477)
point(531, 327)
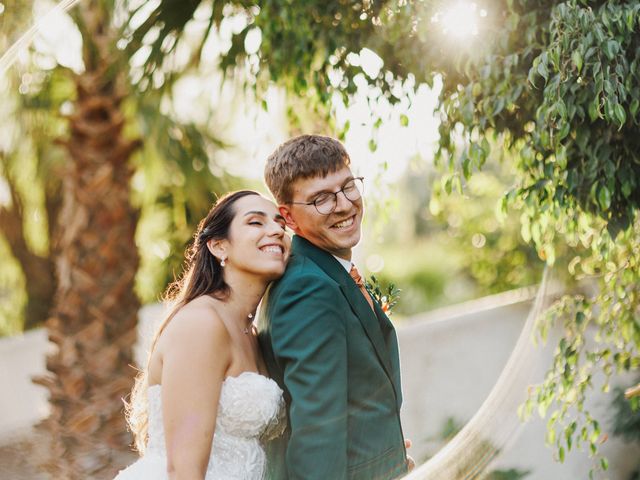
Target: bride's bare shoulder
point(198, 320)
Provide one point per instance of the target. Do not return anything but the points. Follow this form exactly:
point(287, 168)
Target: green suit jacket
point(337, 362)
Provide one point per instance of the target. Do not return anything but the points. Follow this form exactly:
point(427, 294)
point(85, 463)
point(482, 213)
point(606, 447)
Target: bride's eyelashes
point(259, 223)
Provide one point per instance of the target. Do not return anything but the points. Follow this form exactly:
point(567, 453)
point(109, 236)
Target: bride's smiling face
point(257, 243)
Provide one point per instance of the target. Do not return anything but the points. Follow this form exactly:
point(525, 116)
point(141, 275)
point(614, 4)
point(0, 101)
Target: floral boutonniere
point(387, 298)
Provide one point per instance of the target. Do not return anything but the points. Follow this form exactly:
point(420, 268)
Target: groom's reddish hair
point(305, 156)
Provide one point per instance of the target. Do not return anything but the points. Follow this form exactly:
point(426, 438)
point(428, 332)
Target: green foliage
point(558, 84)
point(567, 102)
point(459, 246)
point(28, 166)
point(387, 296)
point(15, 17)
point(423, 267)
point(626, 420)
point(450, 429)
point(511, 474)
point(302, 43)
point(495, 255)
point(12, 292)
point(600, 332)
point(174, 186)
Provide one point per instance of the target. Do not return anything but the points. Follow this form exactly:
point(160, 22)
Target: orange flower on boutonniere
point(386, 298)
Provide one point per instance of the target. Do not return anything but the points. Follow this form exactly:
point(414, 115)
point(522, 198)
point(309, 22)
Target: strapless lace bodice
point(250, 411)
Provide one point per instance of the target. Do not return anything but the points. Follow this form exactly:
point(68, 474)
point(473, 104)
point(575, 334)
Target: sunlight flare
point(461, 20)
point(10, 56)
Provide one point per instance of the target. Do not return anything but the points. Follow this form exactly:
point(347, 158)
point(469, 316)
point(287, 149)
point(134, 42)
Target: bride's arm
point(196, 355)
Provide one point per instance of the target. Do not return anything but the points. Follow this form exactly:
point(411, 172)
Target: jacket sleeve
point(309, 340)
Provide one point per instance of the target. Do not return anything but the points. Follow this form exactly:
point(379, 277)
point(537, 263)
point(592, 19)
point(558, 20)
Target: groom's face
point(337, 232)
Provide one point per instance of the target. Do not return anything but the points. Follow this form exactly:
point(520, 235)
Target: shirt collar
point(346, 264)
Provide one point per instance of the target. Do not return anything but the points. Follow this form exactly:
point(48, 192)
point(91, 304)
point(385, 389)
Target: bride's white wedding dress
point(251, 410)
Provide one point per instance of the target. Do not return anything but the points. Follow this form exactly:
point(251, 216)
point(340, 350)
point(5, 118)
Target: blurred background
point(121, 123)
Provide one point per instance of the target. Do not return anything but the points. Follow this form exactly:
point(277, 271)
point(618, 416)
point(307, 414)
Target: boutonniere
point(386, 298)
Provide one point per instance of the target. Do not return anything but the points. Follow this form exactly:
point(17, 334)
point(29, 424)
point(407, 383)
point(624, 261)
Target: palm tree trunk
point(95, 311)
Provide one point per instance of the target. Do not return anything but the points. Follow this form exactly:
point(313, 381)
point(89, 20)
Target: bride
point(204, 405)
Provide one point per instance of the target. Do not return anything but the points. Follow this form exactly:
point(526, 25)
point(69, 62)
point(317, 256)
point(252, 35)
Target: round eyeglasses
point(326, 202)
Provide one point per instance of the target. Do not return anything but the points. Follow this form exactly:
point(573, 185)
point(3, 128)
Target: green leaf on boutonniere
point(386, 297)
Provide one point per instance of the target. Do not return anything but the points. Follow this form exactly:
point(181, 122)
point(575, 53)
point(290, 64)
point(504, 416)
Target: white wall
point(22, 402)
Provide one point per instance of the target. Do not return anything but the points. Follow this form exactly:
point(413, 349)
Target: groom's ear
point(286, 213)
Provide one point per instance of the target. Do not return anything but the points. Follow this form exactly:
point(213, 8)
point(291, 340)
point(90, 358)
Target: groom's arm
point(309, 339)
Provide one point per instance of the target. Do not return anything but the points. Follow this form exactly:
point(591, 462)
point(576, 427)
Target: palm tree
point(94, 316)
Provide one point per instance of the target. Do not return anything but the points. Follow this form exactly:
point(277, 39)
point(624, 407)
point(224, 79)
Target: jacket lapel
point(393, 355)
point(374, 324)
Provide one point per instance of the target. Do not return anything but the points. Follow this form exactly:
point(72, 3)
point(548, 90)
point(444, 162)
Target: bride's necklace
point(247, 329)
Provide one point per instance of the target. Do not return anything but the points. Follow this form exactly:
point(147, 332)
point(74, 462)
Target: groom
point(326, 342)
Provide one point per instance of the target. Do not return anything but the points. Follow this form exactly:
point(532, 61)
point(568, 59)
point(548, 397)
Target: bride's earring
point(222, 262)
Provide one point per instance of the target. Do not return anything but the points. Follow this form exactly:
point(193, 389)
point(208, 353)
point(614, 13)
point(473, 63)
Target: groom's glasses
point(326, 202)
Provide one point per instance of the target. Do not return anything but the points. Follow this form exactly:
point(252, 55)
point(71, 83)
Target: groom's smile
point(345, 223)
point(337, 232)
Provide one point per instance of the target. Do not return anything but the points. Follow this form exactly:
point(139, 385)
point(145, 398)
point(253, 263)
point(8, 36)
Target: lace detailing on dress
point(251, 410)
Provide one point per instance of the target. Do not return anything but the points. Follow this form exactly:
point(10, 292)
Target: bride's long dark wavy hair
point(202, 275)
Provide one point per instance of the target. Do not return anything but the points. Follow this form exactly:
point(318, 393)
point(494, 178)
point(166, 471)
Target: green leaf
point(551, 436)
point(633, 108)
point(561, 157)
point(611, 49)
point(594, 109)
point(630, 18)
point(486, 147)
point(609, 110)
point(561, 108)
point(542, 71)
point(576, 58)
point(604, 463)
point(620, 114)
point(561, 454)
point(373, 146)
point(564, 131)
point(457, 183)
point(532, 77)
point(466, 167)
point(404, 120)
point(604, 197)
point(447, 184)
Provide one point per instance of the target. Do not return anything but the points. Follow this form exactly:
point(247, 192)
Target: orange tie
point(358, 279)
